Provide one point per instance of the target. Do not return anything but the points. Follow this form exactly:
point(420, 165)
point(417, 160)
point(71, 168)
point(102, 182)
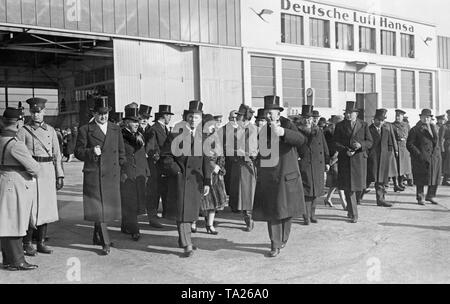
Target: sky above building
point(430, 11)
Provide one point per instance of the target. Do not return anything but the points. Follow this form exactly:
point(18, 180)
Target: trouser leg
point(28, 238)
point(152, 195)
point(431, 192)
point(287, 224)
point(380, 193)
point(351, 204)
point(313, 209)
point(276, 233)
point(184, 233)
point(12, 249)
point(420, 193)
point(163, 189)
point(102, 229)
point(308, 204)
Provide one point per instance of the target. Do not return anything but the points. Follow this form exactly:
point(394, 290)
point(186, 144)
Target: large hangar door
point(155, 73)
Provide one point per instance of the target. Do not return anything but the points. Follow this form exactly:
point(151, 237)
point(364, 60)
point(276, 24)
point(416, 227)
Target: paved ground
point(404, 244)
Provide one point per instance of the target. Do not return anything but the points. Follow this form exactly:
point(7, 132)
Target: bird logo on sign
point(426, 40)
point(263, 12)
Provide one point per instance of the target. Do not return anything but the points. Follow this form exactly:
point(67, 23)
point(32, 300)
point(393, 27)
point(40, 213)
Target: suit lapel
point(109, 134)
point(159, 128)
point(358, 126)
point(96, 132)
point(375, 133)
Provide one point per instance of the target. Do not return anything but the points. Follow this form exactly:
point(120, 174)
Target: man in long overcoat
point(135, 173)
point(279, 195)
point(314, 160)
point(353, 140)
point(42, 141)
point(160, 161)
point(403, 159)
point(423, 144)
point(194, 178)
point(17, 192)
point(383, 148)
point(100, 145)
point(444, 138)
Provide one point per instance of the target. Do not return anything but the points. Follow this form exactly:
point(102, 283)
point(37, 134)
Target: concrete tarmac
point(404, 244)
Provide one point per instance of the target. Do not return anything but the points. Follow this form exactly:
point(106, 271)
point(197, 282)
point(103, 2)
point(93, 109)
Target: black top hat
point(165, 109)
point(245, 110)
point(399, 111)
point(440, 117)
point(448, 112)
point(195, 106)
point(272, 102)
point(101, 105)
point(261, 114)
point(426, 112)
point(350, 106)
point(185, 113)
point(380, 114)
point(145, 111)
point(12, 114)
point(207, 118)
point(116, 117)
point(132, 111)
point(217, 117)
point(307, 111)
point(36, 104)
point(315, 113)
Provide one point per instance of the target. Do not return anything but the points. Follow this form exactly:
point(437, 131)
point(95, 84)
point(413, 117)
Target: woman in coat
point(194, 179)
point(313, 161)
point(403, 159)
point(135, 173)
point(100, 145)
point(423, 144)
point(17, 192)
point(243, 170)
point(279, 190)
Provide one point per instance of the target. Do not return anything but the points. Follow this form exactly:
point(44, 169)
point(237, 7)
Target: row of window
point(293, 84)
point(292, 31)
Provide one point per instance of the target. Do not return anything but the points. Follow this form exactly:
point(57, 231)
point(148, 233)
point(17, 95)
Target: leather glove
point(123, 177)
point(206, 191)
point(59, 183)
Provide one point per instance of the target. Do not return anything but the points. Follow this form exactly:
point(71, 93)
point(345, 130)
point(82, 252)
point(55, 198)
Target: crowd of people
point(267, 167)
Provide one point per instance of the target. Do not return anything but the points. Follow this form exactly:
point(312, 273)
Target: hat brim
point(275, 108)
point(162, 113)
point(428, 115)
point(134, 118)
point(101, 110)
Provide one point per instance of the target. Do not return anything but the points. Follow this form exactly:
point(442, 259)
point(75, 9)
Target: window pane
point(263, 79)
point(408, 90)
point(407, 45)
point(369, 83)
point(367, 39)
point(350, 81)
point(389, 88)
point(388, 43)
point(341, 77)
point(320, 81)
point(291, 29)
point(293, 83)
point(359, 83)
point(344, 36)
point(426, 90)
point(319, 32)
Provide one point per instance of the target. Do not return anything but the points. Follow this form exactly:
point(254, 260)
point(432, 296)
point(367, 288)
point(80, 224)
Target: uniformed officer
point(135, 173)
point(17, 191)
point(42, 141)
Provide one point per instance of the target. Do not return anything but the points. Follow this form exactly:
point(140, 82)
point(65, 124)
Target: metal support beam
point(56, 51)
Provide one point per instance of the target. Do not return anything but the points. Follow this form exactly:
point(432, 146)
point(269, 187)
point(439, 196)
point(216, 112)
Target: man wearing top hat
point(261, 118)
point(230, 127)
point(279, 190)
point(353, 141)
point(194, 178)
point(17, 191)
point(42, 141)
point(402, 159)
point(314, 160)
point(161, 162)
point(444, 139)
point(100, 146)
point(135, 173)
point(315, 118)
point(144, 118)
point(378, 163)
point(424, 146)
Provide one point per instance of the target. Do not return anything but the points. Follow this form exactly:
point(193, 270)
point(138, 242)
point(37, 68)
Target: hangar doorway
point(64, 68)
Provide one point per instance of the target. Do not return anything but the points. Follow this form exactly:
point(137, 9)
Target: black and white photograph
point(224, 147)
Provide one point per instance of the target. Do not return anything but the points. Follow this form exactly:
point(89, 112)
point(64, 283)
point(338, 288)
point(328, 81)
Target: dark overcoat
point(425, 153)
point(381, 154)
point(314, 155)
point(188, 187)
point(279, 188)
point(133, 189)
point(101, 181)
point(444, 135)
point(352, 171)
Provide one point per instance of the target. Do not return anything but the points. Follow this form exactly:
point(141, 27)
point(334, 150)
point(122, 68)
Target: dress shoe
point(99, 243)
point(194, 229)
point(42, 248)
point(314, 220)
point(445, 183)
point(250, 226)
point(398, 189)
point(106, 250)
point(155, 224)
point(328, 203)
point(384, 204)
point(422, 203)
point(29, 250)
point(354, 220)
point(136, 236)
point(21, 267)
point(273, 253)
point(283, 244)
point(211, 230)
point(125, 230)
point(365, 191)
point(188, 251)
point(432, 200)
